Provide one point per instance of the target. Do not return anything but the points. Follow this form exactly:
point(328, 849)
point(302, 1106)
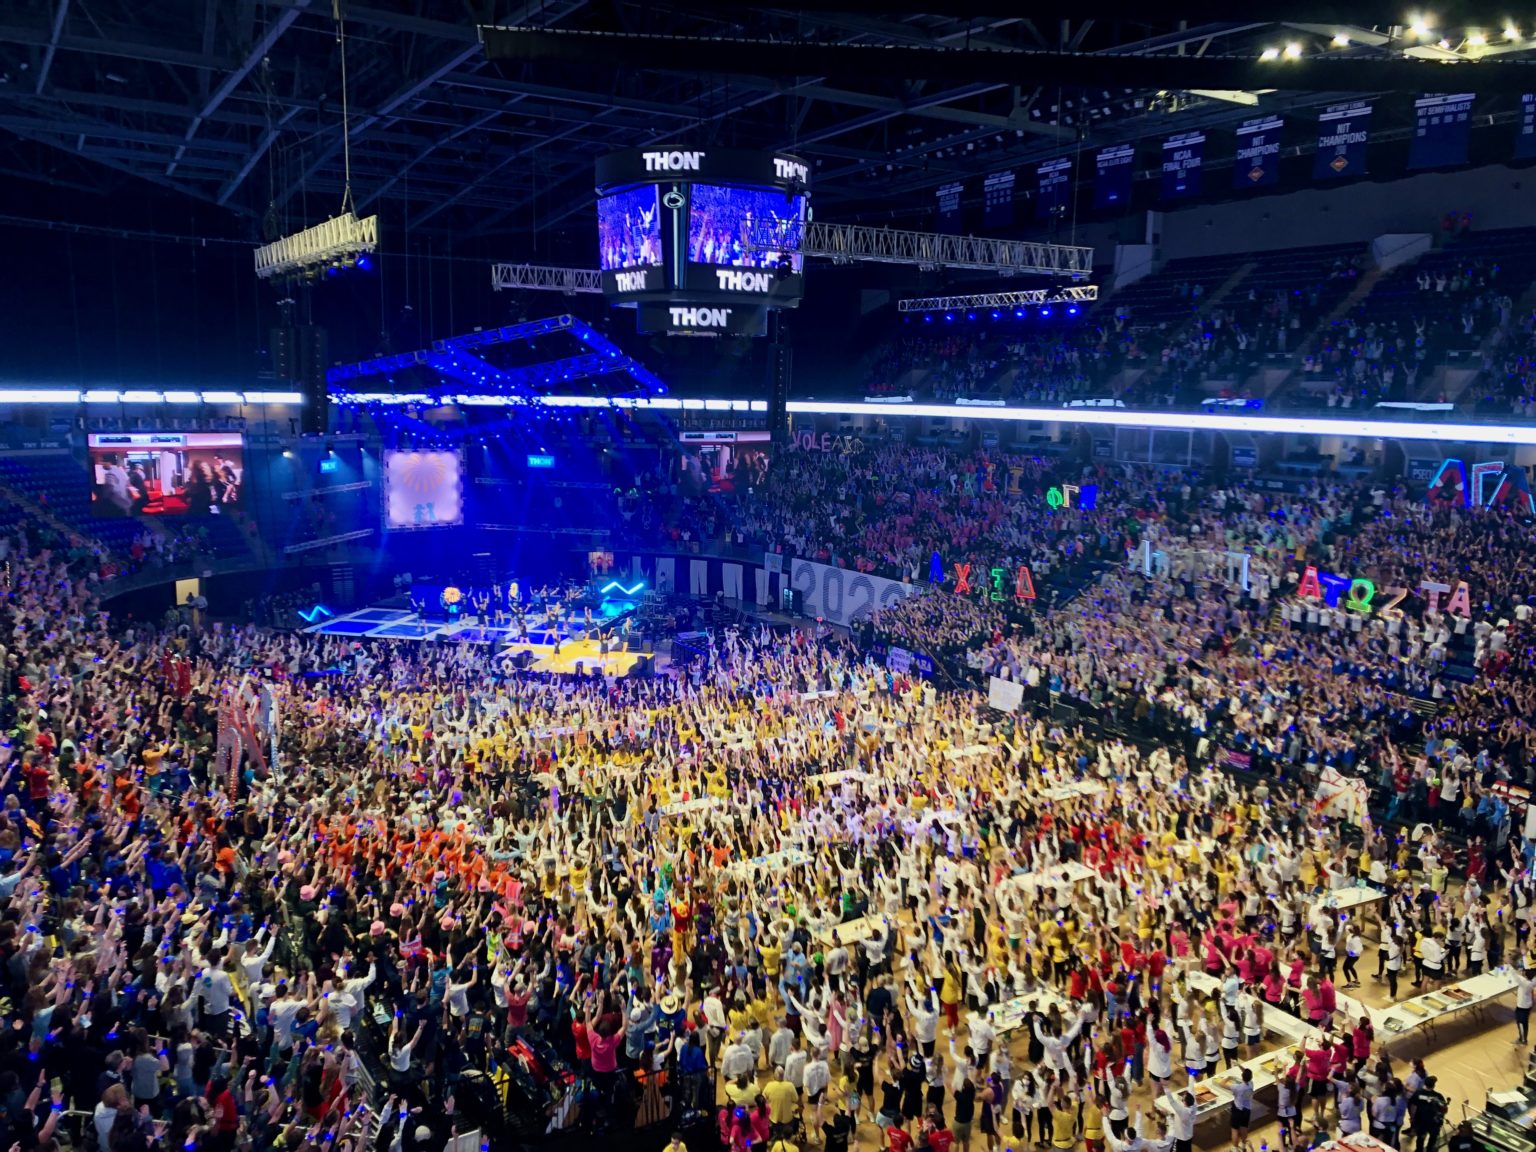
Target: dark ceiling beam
point(69, 148)
point(568, 95)
point(1369, 12)
point(468, 50)
point(119, 49)
point(60, 14)
point(253, 157)
point(96, 101)
point(237, 76)
point(111, 132)
point(400, 22)
point(934, 109)
point(484, 175)
point(1069, 69)
point(431, 147)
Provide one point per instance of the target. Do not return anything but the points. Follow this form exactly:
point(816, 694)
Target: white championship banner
point(840, 596)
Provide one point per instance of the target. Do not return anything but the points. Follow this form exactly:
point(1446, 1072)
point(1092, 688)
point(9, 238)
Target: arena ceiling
point(237, 104)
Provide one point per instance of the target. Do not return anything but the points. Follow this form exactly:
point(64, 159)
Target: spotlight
point(996, 314)
point(1444, 45)
point(949, 316)
point(1419, 25)
point(1341, 41)
point(1270, 54)
point(1293, 51)
point(1511, 32)
point(1045, 311)
point(1018, 313)
point(970, 315)
point(1476, 40)
point(1072, 310)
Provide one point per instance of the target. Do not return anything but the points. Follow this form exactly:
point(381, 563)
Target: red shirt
point(940, 1139)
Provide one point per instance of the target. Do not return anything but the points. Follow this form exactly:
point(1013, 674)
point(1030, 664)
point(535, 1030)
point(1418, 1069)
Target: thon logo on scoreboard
point(687, 236)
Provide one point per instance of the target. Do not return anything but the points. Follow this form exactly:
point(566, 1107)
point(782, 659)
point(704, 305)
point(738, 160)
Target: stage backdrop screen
point(723, 461)
point(423, 489)
point(720, 219)
point(628, 229)
point(166, 473)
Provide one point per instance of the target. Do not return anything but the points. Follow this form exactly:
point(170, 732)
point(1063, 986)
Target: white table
point(1010, 1015)
point(1436, 1006)
point(687, 807)
point(853, 931)
point(838, 777)
point(1057, 876)
point(1073, 791)
point(1338, 901)
point(773, 862)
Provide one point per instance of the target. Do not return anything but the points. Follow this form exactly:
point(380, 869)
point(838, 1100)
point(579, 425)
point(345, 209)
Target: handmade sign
point(1359, 593)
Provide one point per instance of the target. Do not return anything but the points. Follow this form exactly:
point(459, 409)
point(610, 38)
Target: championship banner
point(1055, 188)
point(949, 207)
point(997, 199)
point(1183, 165)
point(1442, 127)
point(1258, 153)
point(1343, 135)
point(840, 596)
point(1525, 129)
point(1113, 169)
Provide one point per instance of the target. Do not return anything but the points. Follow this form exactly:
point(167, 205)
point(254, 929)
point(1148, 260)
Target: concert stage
point(386, 623)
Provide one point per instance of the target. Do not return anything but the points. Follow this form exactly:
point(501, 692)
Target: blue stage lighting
point(949, 316)
point(1045, 311)
point(1072, 310)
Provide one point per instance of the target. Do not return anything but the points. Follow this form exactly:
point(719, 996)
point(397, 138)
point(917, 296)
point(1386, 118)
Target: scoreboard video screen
point(687, 237)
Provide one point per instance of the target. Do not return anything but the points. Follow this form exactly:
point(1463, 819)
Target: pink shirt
point(605, 1052)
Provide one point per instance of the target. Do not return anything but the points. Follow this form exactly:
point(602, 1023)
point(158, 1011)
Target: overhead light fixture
point(1511, 32)
point(339, 240)
point(1340, 40)
point(1476, 39)
point(1270, 54)
point(1293, 51)
point(1419, 25)
point(1444, 45)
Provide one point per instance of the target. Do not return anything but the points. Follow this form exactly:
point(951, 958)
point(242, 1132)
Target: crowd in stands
point(800, 893)
point(1187, 334)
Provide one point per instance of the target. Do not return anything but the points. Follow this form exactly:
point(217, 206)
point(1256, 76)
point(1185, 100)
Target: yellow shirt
point(783, 1101)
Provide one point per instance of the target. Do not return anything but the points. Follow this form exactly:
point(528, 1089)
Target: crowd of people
point(267, 890)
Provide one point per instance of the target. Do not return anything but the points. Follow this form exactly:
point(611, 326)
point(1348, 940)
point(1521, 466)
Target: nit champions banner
point(1343, 136)
point(1258, 153)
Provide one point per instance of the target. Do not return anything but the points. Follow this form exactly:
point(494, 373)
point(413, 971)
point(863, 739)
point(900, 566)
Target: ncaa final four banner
point(841, 596)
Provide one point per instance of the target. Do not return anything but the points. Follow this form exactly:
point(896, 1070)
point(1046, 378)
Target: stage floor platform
point(400, 624)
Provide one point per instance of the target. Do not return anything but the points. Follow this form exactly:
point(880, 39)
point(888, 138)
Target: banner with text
point(1343, 137)
point(1258, 153)
point(841, 596)
point(1055, 195)
point(997, 196)
point(1113, 169)
point(1442, 127)
point(1525, 129)
point(1183, 165)
point(949, 207)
